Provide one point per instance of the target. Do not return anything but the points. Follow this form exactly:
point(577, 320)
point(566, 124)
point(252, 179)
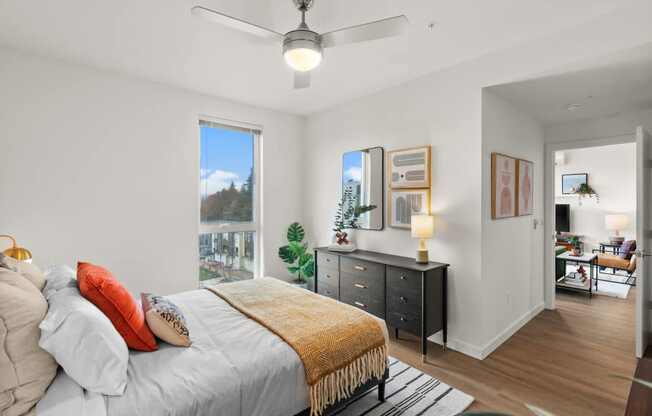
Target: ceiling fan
point(302, 47)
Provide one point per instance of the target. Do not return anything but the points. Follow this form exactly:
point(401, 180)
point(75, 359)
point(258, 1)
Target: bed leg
point(381, 391)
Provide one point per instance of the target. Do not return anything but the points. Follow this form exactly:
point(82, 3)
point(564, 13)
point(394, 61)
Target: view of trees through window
point(227, 176)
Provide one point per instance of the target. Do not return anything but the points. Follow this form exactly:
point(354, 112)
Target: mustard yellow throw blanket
point(340, 346)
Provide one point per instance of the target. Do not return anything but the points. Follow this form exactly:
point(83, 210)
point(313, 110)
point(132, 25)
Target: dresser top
point(388, 259)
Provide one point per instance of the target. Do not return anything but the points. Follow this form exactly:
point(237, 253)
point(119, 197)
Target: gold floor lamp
point(18, 253)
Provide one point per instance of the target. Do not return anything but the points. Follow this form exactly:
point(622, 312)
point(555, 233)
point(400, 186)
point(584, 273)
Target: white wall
point(619, 125)
point(612, 173)
point(512, 249)
point(444, 110)
point(105, 168)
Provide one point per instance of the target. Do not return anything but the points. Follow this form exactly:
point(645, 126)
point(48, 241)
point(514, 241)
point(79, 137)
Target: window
point(228, 238)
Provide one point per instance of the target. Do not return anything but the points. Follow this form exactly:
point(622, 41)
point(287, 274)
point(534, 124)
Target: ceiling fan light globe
point(303, 59)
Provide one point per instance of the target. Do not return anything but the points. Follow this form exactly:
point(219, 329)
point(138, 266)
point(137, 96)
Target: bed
point(235, 367)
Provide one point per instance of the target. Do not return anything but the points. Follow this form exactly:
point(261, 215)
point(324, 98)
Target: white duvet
point(235, 367)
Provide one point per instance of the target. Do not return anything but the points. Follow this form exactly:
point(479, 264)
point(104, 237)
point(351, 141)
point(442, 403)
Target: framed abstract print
point(525, 187)
point(403, 203)
point(503, 186)
point(409, 168)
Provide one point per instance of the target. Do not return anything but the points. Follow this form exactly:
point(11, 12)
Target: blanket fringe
point(342, 383)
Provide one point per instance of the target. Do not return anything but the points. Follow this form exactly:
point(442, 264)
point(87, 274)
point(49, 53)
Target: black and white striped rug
point(410, 392)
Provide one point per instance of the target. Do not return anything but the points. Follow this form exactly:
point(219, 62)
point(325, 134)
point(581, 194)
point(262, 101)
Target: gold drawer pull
point(359, 286)
point(361, 268)
point(403, 299)
point(328, 260)
point(403, 319)
point(403, 277)
point(362, 305)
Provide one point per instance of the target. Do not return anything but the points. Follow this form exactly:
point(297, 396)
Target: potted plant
point(348, 213)
point(585, 191)
point(301, 262)
point(577, 245)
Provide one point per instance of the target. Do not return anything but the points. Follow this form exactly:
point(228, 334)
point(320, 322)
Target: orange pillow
point(98, 285)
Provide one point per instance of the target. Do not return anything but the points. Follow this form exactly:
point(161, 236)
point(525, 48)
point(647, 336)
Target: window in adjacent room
point(229, 210)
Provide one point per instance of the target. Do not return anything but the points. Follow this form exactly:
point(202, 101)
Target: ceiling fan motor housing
point(302, 39)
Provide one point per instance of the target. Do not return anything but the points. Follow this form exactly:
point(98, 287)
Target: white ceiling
point(600, 88)
point(159, 40)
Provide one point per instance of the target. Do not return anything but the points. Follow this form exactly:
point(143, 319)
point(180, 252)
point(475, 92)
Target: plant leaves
point(296, 233)
point(297, 249)
point(308, 269)
point(293, 269)
point(286, 254)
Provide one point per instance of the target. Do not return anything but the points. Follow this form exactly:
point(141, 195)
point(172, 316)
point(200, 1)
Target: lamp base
point(616, 239)
point(422, 256)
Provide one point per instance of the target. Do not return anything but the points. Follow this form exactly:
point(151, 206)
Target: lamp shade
point(423, 226)
point(18, 253)
point(616, 222)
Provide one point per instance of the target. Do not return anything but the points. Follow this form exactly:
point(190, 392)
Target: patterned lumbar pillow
point(165, 320)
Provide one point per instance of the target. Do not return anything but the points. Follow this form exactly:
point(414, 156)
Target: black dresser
point(409, 296)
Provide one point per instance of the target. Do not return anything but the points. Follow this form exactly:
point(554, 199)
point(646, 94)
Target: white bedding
point(235, 367)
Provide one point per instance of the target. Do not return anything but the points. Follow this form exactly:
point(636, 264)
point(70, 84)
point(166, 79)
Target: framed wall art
point(503, 186)
point(403, 203)
point(525, 187)
point(570, 183)
point(409, 168)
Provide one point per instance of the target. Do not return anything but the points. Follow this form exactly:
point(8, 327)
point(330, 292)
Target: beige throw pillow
point(26, 370)
point(27, 270)
point(165, 320)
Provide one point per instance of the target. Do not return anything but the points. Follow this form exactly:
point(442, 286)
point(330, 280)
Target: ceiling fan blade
point(392, 26)
point(301, 80)
point(235, 23)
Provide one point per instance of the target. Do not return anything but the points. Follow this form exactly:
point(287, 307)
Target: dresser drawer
point(405, 321)
point(370, 286)
point(404, 301)
point(362, 268)
point(366, 303)
point(328, 276)
point(327, 260)
point(328, 290)
point(398, 278)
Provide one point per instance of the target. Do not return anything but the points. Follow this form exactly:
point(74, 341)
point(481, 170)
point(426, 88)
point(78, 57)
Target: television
point(562, 218)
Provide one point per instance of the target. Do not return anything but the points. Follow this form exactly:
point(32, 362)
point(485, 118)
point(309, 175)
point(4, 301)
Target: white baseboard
point(481, 353)
point(457, 345)
point(510, 330)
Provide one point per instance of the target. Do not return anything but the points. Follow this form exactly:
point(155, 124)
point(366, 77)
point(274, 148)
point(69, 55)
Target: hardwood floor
point(561, 361)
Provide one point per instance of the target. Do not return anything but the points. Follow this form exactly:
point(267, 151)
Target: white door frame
point(549, 202)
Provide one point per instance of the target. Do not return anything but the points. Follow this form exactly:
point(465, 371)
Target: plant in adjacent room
point(585, 191)
point(577, 245)
point(295, 253)
point(348, 213)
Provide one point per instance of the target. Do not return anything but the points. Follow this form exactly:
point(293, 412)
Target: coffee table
point(591, 259)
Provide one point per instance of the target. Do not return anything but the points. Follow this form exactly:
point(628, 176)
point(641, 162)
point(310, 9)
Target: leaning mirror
point(362, 174)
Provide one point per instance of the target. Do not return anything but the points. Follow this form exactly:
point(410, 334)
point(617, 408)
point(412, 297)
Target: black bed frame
point(358, 393)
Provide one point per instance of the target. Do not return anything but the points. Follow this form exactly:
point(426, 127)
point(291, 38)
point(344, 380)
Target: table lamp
point(616, 223)
point(423, 226)
point(18, 253)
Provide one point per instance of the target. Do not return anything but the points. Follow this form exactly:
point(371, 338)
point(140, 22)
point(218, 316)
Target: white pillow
point(57, 278)
point(84, 342)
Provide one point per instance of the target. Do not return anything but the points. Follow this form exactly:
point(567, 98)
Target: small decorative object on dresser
point(423, 226)
point(409, 296)
point(346, 218)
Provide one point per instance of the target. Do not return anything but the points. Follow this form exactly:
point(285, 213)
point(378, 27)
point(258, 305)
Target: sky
point(352, 165)
point(226, 156)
